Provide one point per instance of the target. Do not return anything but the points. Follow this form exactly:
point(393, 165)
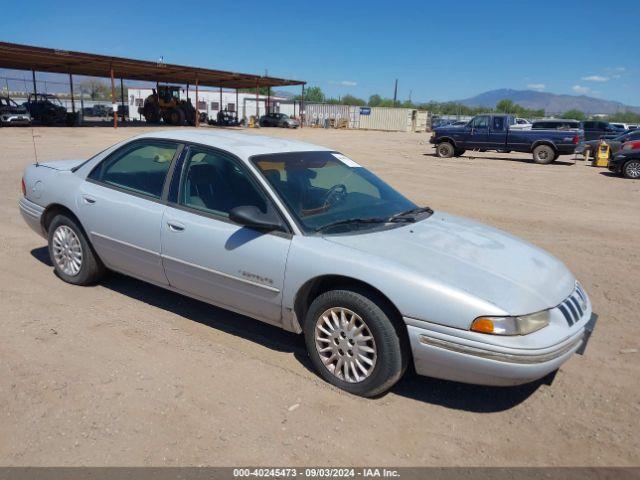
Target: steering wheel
point(336, 194)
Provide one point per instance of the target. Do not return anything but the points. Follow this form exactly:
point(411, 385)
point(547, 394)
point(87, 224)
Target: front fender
point(446, 139)
point(413, 295)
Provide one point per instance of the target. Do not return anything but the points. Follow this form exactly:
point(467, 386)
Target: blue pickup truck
point(493, 132)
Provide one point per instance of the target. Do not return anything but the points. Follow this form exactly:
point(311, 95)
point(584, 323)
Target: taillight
point(576, 140)
point(24, 189)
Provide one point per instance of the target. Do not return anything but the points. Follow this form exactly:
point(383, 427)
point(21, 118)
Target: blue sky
point(438, 50)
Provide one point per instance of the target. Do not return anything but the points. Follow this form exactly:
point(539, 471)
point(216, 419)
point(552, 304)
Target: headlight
point(520, 325)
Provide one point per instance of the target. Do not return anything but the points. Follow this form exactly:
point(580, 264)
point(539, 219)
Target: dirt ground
point(125, 373)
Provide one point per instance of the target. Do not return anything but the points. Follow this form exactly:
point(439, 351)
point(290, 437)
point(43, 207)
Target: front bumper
point(441, 354)
point(9, 120)
point(32, 214)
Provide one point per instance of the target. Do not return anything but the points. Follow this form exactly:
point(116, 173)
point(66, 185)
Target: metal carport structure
point(26, 57)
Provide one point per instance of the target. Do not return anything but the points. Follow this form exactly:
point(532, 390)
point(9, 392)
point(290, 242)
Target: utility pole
point(395, 93)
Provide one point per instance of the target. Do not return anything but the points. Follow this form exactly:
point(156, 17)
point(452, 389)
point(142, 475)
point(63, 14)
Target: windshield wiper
point(409, 215)
point(349, 221)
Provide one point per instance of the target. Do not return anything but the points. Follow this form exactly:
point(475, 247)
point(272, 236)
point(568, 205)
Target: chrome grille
point(574, 306)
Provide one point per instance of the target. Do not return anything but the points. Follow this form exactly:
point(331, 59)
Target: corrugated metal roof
point(26, 57)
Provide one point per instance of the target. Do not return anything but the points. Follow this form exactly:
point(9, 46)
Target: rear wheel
point(73, 258)
point(631, 169)
point(445, 150)
point(543, 154)
point(353, 343)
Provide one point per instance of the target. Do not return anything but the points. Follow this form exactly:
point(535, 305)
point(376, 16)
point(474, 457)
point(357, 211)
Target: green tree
point(312, 95)
point(96, 89)
point(574, 114)
point(506, 106)
point(374, 100)
point(351, 100)
point(625, 117)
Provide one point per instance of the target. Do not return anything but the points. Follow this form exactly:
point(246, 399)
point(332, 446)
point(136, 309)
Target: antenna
point(35, 150)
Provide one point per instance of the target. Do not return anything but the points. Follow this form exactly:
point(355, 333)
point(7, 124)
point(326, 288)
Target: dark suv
point(46, 109)
point(593, 130)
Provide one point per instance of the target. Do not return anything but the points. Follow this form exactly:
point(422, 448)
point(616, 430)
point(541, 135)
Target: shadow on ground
point(454, 395)
point(467, 156)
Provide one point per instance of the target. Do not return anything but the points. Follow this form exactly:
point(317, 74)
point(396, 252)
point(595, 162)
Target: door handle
point(88, 199)
point(175, 226)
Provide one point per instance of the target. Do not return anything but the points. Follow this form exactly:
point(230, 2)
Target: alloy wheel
point(632, 169)
point(67, 250)
point(345, 344)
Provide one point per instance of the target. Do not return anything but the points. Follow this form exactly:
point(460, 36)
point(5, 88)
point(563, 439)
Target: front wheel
point(353, 343)
point(445, 150)
point(73, 258)
point(543, 154)
point(631, 169)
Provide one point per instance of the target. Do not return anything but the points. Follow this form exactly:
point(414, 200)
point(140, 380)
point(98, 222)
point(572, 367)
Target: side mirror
point(251, 216)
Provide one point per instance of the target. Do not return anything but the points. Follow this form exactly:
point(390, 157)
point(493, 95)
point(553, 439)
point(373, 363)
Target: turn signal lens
point(482, 325)
point(520, 325)
point(24, 189)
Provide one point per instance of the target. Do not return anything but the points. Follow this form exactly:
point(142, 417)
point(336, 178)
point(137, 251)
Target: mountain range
point(550, 102)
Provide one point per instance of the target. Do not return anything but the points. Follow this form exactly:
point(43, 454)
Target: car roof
point(240, 144)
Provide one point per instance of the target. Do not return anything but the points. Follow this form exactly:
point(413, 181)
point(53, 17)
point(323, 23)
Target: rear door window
point(140, 168)
point(498, 124)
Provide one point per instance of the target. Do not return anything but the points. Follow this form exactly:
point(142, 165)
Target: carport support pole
point(220, 109)
point(257, 104)
point(73, 103)
point(302, 107)
point(197, 111)
point(268, 107)
point(113, 99)
point(35, 91)
point(237, 106)
point(122, 97)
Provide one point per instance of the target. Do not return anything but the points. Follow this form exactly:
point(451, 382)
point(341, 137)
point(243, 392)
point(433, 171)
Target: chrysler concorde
point(304, 238)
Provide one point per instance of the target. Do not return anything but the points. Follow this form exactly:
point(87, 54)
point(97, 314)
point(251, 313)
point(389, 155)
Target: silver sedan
point(304, 238)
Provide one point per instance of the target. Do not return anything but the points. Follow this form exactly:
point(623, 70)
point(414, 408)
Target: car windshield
point(323, 189)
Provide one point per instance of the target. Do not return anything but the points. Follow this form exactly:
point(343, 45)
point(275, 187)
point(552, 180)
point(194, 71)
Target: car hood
point(475, 259)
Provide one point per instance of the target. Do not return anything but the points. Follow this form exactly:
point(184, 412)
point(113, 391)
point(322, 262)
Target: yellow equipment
point(602, 155)
point(166, 104)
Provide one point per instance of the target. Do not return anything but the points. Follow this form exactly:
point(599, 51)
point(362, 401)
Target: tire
point(445, 150)
point(176, 117)
point(631, 169)
point(543, 154)
point(372, 365)
point(458, 152)
point(151, 113)
point(66, 238)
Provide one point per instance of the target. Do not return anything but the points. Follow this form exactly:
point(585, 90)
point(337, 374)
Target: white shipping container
point(369, 118)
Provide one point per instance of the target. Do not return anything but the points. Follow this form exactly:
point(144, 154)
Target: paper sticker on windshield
point(346, 160)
